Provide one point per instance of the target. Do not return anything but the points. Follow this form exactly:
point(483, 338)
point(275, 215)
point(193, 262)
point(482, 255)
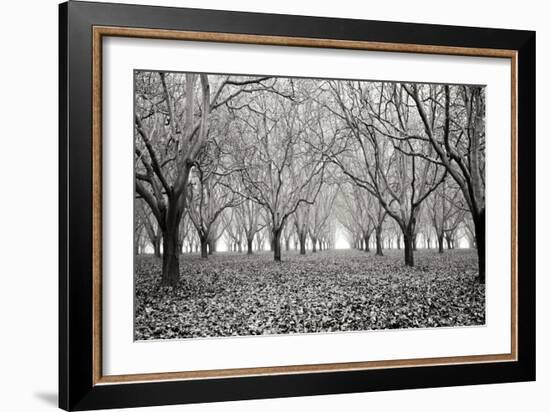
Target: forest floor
point(343, 290)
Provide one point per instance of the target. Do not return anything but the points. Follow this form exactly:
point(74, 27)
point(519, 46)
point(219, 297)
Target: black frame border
point(76, 388)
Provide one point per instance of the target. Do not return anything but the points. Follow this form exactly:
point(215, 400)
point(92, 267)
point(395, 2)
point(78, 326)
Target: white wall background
point(28, 204)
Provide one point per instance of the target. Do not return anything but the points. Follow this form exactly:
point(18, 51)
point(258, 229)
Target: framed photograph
point(257, 206)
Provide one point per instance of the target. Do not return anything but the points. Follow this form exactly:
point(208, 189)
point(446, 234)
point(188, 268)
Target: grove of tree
point(283, 163)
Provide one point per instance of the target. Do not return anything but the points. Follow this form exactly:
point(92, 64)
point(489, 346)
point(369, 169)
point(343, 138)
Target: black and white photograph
point(276, 205)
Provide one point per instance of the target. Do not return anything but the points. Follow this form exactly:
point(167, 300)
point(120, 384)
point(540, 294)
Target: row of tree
point(244, 227)
point(239, 155)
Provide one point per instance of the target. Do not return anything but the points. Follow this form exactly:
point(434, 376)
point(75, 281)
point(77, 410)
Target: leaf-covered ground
point(236, 294)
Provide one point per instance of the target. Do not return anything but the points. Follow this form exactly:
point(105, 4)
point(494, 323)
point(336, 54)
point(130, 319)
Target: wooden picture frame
point(82, 27)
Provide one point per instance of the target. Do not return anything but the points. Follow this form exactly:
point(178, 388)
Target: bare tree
point(377, 216)
point(150, 225)
point(459, 144)
point(288, 232)
point(249, 214)
point(208, 199)
point(234, 230)
point(445, 212)
point(393, 170)
point(301, 220)
point(276, 167)
point(172, 118)
point(320, 213)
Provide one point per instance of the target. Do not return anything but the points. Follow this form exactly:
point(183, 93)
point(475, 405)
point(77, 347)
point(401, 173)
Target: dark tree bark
point(249, 245)
point(409, 233)
point(277, 244)
point(170, 261)
point(409, 247)
point(479, 223)
point(313, 245)
point(204, 247)
point(379, 242)
point(440, 242)
point(302, 243)
point(366, 240)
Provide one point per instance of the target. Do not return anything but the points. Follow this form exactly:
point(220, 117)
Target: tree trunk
point(367, 239)
point(398, 242)
point(302, 244)
point(313, 245)
point(239, 247)
point(440, 243)
point(204, 247)
point(408, 240)
point(287, 244)
point(414, 239)
point(277, 244)
point(156, 247)
point(448, 240)
point(170, 261)
point(249, 243)
point(479, 223)
point(379, 242)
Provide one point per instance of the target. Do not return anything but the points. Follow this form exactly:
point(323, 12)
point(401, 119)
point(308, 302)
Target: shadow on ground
point(49, 398)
